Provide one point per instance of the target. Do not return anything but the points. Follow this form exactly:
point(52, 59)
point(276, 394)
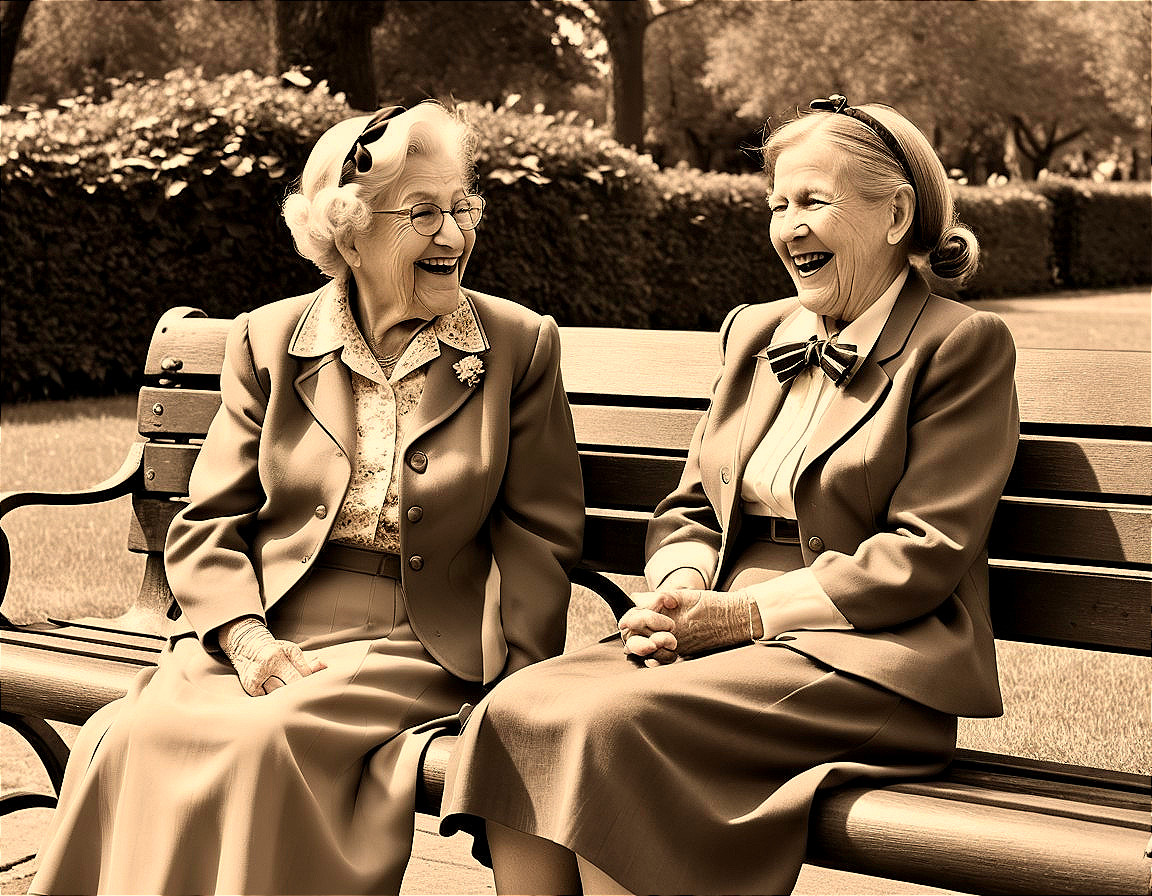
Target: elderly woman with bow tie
point(380, 524)
point(817, 604)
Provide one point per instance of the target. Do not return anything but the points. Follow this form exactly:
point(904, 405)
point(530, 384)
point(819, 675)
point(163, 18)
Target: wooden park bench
point(1071, 567)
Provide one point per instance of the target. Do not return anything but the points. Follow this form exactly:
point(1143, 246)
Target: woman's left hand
point(667, 625)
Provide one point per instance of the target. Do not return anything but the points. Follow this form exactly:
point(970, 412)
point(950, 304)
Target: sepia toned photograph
point(576, 447)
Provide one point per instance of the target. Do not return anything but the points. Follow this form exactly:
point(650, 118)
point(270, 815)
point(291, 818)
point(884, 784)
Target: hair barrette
point(359, 159)
point(836, 103)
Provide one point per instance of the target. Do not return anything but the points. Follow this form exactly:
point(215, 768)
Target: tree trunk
point(335, 41)
point(624, 23)
point(11, 26)
point(1038, 150)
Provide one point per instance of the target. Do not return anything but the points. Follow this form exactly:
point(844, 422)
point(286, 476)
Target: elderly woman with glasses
point(380, 525)
point(816, 606)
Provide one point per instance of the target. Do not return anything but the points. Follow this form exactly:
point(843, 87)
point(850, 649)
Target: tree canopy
point(972, 75)
point(1000, 87)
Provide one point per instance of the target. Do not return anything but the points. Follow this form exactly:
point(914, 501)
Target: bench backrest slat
point(175, 413)
point(1086, 465)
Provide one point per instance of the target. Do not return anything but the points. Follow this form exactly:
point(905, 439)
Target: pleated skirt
point(694, 777)
point(189, 785)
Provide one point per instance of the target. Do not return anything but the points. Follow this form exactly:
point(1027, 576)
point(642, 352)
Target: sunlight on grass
point(68, 561)
point(1060, 704)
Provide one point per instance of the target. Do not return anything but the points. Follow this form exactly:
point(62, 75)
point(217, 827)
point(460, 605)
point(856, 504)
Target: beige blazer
point(894, 496)
point(492, 508)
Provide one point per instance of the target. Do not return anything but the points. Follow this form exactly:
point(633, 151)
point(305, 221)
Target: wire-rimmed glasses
point(427, 217)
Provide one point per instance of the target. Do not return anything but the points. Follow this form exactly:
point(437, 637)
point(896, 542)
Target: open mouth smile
point(808, 263)
point(438, 265)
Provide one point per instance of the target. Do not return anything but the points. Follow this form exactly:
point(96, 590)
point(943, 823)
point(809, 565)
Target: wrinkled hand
point(667, 625)
point(263, 663)
point(647, 632)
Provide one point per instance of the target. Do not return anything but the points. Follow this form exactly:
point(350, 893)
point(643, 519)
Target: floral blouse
point(383, 403)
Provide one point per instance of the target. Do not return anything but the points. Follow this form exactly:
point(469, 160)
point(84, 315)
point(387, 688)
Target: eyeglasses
point(428, 217)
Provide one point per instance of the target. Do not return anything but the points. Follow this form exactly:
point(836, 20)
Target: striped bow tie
point(789, 358)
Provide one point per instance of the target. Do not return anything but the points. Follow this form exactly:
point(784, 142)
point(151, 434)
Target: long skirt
point(694, 777)
point(189, 785)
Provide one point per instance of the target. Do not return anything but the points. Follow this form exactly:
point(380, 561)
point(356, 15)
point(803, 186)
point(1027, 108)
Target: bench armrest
point(608, 591)
point(123, 482)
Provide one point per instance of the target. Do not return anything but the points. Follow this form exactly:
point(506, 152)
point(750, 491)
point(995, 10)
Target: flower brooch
point(469, 370)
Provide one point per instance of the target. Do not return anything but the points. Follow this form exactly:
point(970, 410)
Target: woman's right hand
point(263, 663)
point(647, 633)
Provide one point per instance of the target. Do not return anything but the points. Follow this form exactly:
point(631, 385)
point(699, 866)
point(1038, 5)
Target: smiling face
point(422, 273)
point(837, 246)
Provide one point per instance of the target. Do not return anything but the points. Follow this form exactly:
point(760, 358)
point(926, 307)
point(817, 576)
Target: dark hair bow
point(837, 104)
point(834, 103)
point(359, 159)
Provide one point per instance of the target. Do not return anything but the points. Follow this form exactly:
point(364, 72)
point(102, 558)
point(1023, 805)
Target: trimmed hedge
point(169, 194)
point(1102, 232)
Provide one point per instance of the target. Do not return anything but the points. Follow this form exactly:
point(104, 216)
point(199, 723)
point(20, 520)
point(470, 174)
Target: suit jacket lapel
point(870, 383)
point(444, 392)
point(326, 390)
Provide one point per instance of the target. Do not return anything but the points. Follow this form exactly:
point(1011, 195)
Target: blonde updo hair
point(321, 209)
point(949, 248)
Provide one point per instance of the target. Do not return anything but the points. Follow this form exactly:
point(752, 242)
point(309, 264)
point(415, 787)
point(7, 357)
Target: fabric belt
point(350, 559)
point(771, 528)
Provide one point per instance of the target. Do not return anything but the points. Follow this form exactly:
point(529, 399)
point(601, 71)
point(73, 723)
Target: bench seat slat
point(1083, 848)
point(1010, 793)
point(683, 364)
point(139, 646)
point(39, 688)
point(974, 847)
point(638, 481)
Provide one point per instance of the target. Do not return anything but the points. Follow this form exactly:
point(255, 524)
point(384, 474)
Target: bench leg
point(53, 753)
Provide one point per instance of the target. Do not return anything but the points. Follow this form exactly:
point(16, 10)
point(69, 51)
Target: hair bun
point(956, 254)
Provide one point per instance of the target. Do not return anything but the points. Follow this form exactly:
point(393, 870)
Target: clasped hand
point(263, 663)
point(669, 624)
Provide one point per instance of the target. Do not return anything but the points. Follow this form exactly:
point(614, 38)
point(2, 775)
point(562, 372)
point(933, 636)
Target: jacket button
point(816, 543)
point(418, 461)
point(416, 562)
point(321, 511)
point(725, 475)
point(415, 514)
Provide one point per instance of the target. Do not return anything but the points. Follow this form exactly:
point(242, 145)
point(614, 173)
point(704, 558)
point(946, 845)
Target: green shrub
point(1014, 226)
point(1102, 232)
point(711, 248)
point(564, 229)
point(168, 193)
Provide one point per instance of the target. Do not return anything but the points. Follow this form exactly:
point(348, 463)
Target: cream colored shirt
point(770, 477)
point(795, 599)
point(369, 517)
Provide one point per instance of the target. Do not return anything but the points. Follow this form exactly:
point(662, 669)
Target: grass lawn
point(1061, 704)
